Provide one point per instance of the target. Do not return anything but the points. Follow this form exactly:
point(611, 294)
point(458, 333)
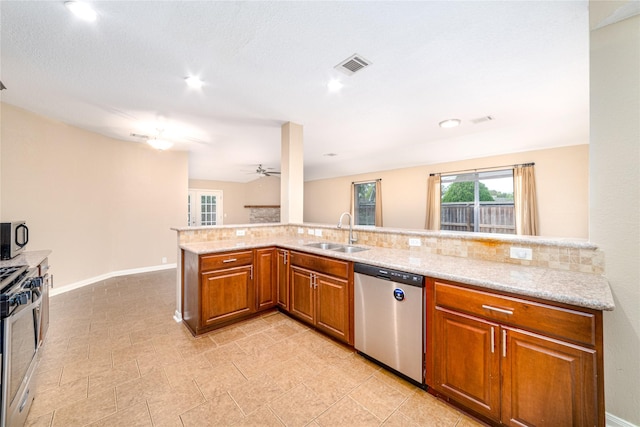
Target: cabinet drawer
point(320, 264)
point(225, 260)
point(554, 321)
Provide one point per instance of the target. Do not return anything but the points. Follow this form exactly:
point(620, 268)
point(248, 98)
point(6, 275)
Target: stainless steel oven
point(20, 305)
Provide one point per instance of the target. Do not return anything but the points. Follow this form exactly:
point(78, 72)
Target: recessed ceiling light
point(82, 10)
point(194, 82)
point(334, 85)
point(449, 123)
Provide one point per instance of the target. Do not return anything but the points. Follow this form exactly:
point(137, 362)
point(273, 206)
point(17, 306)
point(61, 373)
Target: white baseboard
point(92, 280)
point(613, 421)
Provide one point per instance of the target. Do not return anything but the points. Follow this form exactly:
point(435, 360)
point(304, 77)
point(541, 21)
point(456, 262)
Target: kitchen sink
point(350, 249)
point(337, 247)
point(324, 245)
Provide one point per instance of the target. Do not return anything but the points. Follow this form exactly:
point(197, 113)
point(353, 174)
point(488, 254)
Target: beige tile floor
point(114, 356)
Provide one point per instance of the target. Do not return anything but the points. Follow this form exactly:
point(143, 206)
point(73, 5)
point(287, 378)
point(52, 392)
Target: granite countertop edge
point(568, 287)
point(30, 258)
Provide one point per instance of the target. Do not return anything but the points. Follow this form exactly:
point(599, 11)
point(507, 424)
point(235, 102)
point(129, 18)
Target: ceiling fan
point(265, 172)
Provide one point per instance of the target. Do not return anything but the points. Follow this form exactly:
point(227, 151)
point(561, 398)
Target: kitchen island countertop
point(568, 287)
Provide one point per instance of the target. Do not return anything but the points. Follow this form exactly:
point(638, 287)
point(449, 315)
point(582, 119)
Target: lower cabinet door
point(265, 278)
point(283, 279)
point(467, 361)
point(547, 382)
point(226, 295)
point(302, 302)
point(332, 307)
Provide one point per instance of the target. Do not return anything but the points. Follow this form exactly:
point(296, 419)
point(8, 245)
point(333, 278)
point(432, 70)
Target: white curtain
point(433, 203)
point(524, 195)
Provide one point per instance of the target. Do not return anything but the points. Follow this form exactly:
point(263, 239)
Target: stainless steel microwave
point(14, 236)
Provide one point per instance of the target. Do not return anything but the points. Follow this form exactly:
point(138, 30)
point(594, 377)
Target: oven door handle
point(30, 306)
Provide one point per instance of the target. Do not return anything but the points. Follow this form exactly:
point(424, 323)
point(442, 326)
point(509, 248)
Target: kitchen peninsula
point(488, 316)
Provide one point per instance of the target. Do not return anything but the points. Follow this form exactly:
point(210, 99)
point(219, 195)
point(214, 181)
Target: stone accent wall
point(261, 215)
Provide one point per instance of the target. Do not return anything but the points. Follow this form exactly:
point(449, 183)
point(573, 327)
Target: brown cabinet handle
point(499, 310)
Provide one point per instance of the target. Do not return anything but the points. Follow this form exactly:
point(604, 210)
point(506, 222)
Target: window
point(364, 194)
point(205, 207)
point(478, 202)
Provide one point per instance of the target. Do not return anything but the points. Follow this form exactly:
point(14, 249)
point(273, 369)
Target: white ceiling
point(267, 63)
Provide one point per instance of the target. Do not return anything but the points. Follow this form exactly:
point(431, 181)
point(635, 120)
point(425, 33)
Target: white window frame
point(356, 204)
point(476, 177)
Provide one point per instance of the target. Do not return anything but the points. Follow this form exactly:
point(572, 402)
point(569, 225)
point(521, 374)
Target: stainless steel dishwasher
point(389, 319)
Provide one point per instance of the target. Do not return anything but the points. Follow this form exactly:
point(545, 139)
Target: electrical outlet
point(318, 232)
point(240, 232)
point(164, 259)
point(300, 230)
point(521, 253)
point(415, 242)
point(310, 231)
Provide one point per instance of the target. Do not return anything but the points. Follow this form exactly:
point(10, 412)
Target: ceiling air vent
point(482, 119)
point(352, 64)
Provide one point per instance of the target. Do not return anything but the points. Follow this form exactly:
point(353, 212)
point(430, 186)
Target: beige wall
point(561, 178)
point(235, 196)
point(615, 201)
point(101, 205)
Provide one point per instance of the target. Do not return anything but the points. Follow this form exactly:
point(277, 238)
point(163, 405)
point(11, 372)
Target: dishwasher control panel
point(392, 275)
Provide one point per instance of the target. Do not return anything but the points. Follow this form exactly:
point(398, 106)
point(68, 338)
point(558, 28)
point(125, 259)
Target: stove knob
point(20, 298)
point(34, 283)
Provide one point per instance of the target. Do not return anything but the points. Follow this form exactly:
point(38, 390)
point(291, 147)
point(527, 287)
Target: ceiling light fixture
point(82, 10)
point(194, 82)
point(334, 85)
point(160, 144)
point(449, 123)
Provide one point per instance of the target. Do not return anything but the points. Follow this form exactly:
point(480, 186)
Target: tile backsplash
point(560, 254)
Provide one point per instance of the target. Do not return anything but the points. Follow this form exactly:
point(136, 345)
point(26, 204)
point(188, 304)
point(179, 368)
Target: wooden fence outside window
point(494, 217)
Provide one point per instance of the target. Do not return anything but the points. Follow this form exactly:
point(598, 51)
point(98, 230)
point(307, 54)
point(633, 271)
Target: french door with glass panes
point(205, 207)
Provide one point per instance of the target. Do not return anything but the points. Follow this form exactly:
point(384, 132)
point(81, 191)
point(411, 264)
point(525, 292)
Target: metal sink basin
point(336, 247)
point(350, 249)
point(324, 245)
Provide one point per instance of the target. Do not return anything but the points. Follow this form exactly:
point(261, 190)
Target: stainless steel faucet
point(352, 239)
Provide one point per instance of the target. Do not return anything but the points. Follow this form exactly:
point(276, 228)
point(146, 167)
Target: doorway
point(205, 207)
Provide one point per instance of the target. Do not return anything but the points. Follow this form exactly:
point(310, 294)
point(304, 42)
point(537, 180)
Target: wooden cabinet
point(303, 302)
point(266, 278)
point(321, 294)
point(467, 367)
point(547, 382)
point(332, 306)
point(514, 361)
point(217, 289)
point(282, 277)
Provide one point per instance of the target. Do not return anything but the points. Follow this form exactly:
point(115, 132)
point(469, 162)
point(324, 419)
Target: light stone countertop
point(580, 289)
point(30, 258)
